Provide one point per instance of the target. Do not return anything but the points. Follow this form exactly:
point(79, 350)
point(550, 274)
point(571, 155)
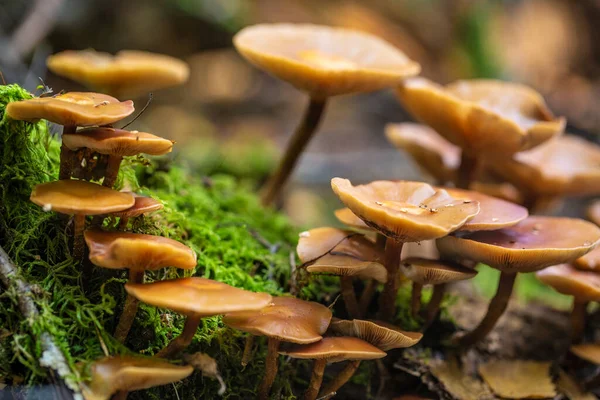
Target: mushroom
point(71, 110)
point(345, 254)
point(196, 298)
point(79, 198)
point(124, 374)
point(331, 350)
point(138, 253)
point(482, 117)
point(584, 286)
point(589, 352)
point(323, 62)
point(129, 73)
point(143, 205)
point(403, 211)
point(593, 212)
point(286, 319)
point(533, 244)
point(117, 143)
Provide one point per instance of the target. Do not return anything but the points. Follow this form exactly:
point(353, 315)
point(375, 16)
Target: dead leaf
point(457, 383)
point(518, 379)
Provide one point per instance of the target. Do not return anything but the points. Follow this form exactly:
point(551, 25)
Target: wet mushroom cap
point(119, 250)
point(80, 198)
point(128, 73)
point(348, 266)
point(197, 296)
point(587, 351)
point(118, 142)
point(348, 218)
point(335, 349)
point(322, 60)
point(434, 272)
point(565, 279)
point(403, 210)
point(126, 373)
point(142, 205)
point(382, 335)
point(590, 261)
point(286, 318)
point(73, 108)
point(534, 243)
point(593, 212)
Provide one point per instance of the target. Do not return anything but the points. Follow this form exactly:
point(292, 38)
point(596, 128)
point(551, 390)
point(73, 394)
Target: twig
point(140, 113)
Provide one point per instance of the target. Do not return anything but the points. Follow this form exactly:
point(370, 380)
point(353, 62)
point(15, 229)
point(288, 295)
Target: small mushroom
point(138, 253)
point(124, 374)
point(196, 298)
point(589, 262)
point(79, 198)
point(331, 350)
point(323, 62)
point(286, 319)
point(143, 205)
point(533, 244)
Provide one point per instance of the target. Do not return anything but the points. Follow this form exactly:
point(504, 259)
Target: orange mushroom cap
point(142, 205)
point(434, 272)
point(587, 351)
point(382, 335)
point(347, 217)
point(565, 279)
point(335, 349)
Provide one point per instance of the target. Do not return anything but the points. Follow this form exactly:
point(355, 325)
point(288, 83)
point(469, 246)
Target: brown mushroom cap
point(347, 217)
point(73, 108)
point(335, 349)
point(118, 142)
point(322, 60)
point(142, 205)
point(126, 373)
point(117, 250)
point(503, 191)
point(382, 335)
point(80, 198)
point(286, 318)
point(434, 154)
point(593, 212)
point(587, 351)
point(129, 73)
point(197, 296)
point(482, 116)
point(590, 261)
point(565, 279)
point(565, 165)
point(535, 243)
point(493, 213)
point(434, 272)
point(406, 211)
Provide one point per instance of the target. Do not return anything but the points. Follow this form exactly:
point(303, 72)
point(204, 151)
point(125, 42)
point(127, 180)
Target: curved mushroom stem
point(467, 171)
point(303, 134)
point(315, 379)
point(341, 378)
point(112, 171)
point(182, 341)
point(387, 300)
point(123, 223)
point(495, 310)
point(578, 314)
point(434, 304)
point(415, 303)
point(349, 296)
point(66, 155)
point(366, 297)
point(129, 308)
point(270, 369)
point(247, 355)
point(78, 242)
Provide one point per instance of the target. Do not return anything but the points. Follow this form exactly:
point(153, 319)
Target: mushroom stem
point(578, 314)
point(129, 308)
point(380, 240)
point(387, 300)
point(349, 296)
point(415, 303)
point(315, 379)
point(123, 223)
point(270, 369)
point(341, 378)
point(78, 242)
point(121, 395)
point(66, 155)
point(112, 171)
point(303, 134)
point(182, 341)
point(434, 303)
point(247, 355)
point(495, 310)
point(367, 296)
point(467, 171)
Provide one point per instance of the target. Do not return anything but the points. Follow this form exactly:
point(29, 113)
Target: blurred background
point(232, 118)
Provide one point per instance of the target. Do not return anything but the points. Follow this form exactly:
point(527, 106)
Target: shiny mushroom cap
point(322, 60)
point(348, 218)
point(286, 318)
point(129, 73)
point(593, 212)
point(432, 153)
point(197, 296)
point(587, 351)
point(403, 210)
point(382, 335)
point(482, 116)
point(117, 250)
point(335, 349)
point(338, 252)
point(142, 205)
point(565, 165)
point(118, 142)
point(565, 279)
point(590, 261)
point(434, 272)
point(533, 244)
point(73, 108)
point(80, 198)
point(125, 373)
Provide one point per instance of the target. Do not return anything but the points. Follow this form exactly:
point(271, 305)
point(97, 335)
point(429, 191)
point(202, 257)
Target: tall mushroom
point(533, 244)
point(138, 253)
point(286, 319)
point(323, 62)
